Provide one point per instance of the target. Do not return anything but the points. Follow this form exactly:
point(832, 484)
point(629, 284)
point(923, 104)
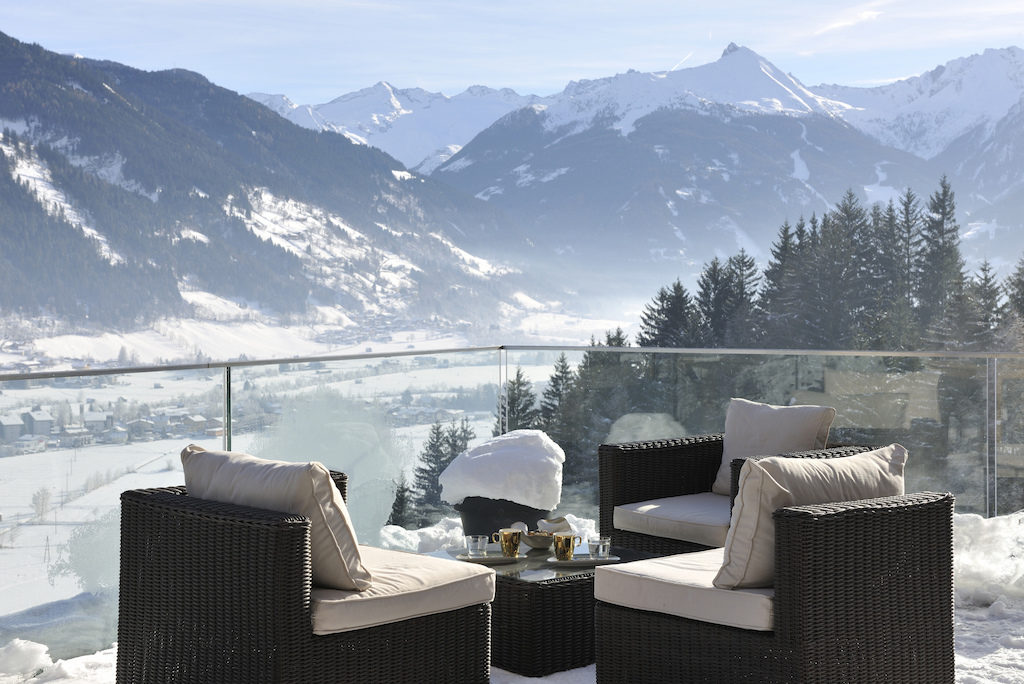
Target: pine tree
point(881, 327)
point(517, 408)
point(606, 387)
point(743, 328)
point(1014, 290)
point(670, 321)
point(776, 287)
point(457, 438)
point(714, 301)
point(829, 303)
point(986, 302)
point(440, 449)
point(940, 265)
point(904, 278)
point(551, 399)
point(433, 460)
point(402, 506)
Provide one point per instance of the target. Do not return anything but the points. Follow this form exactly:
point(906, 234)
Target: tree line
point(886, 277)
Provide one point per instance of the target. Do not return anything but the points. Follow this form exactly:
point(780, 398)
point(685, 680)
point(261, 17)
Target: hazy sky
point(313, 51)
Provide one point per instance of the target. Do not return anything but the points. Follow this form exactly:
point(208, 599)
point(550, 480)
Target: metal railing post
point(503, 389)
point(227, 408)
point(992, 441)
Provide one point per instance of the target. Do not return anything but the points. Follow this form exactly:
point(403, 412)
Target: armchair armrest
point(209, 581)
point(638, 471)
point(882, 569)
point(209, 587)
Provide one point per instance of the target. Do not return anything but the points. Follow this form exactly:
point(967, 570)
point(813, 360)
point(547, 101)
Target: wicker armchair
point(641, 471)
point(863, 593)
point(215, 592)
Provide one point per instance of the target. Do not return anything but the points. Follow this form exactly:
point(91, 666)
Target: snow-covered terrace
point(58, 551)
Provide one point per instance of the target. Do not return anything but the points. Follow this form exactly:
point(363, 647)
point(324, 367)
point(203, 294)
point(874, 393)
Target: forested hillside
point(886, 277)
point(123, 191)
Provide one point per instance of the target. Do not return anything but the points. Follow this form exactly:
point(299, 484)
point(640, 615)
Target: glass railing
point(71, 442)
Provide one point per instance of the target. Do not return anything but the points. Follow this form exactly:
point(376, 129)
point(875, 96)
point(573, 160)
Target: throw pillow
point(777, 482)
point(755, 429)
point(300, 488)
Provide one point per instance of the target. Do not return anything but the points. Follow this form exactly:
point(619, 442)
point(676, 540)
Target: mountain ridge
point(700, 87)
point(197, 188)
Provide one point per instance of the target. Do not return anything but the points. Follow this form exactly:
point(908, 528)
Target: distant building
point(115, 435)
point(30, 444)
point(75, 436)
point(97, 421)
point(37, 422)
point(11, 428)
point(141, 428)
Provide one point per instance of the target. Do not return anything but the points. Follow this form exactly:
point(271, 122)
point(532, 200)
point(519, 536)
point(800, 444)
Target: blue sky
point(313, 51)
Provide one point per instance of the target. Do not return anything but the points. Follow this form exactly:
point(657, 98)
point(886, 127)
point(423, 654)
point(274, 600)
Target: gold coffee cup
point(508, 538)
point(565, 546)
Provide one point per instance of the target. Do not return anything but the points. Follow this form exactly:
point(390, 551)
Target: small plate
point(491, 559)
point(583, 560)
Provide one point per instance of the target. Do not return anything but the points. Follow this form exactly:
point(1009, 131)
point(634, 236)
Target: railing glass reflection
point(70, 442)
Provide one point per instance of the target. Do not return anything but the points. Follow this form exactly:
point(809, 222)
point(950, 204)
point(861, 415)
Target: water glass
point(476, 545)
point(600, 547)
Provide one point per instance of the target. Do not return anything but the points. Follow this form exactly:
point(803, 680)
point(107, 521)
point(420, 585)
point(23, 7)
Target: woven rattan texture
point(863, 593)
point(543, 627)
point(220, 593)
point(639, 471)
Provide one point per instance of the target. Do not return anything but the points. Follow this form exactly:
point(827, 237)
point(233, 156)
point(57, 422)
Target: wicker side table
point(543, 627)
point(542, 617)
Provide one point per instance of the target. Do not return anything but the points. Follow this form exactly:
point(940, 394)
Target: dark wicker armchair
point(863, 593)
point(641, 471)
point(215, 592)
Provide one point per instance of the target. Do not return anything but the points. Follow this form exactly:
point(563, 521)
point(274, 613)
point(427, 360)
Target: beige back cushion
point(299, 488)
point(777, 482)
point(755, 429)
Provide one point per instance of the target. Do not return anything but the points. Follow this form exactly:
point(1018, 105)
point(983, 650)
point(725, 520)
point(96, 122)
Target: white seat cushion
point(300, 488)
point(699, 518)
point(405, 585)
point(755, 429)
point(681, 585)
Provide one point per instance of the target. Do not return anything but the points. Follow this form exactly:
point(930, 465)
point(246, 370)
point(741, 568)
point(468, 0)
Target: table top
point(535, 566)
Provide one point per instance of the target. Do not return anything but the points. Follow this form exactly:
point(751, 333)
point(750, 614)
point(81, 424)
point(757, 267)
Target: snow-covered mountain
point(419, 128)
point(967, 118)
point(660, 172)
point(741, 81)
point(635, 179)
point(925, 114)
point(709, 158)
point(129, 197)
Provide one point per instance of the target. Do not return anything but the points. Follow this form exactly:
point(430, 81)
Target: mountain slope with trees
point(159, 184)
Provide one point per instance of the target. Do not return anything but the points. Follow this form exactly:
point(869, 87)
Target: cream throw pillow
point(755, 429)
point(777, 482)
point(299, 488)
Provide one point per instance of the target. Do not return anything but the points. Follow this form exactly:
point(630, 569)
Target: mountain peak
point(730, 48)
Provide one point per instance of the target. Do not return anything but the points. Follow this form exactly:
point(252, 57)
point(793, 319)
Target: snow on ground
point(174, 340)
point(566, 329)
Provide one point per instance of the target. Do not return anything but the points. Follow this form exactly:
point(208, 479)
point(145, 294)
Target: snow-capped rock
point(413, 125)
